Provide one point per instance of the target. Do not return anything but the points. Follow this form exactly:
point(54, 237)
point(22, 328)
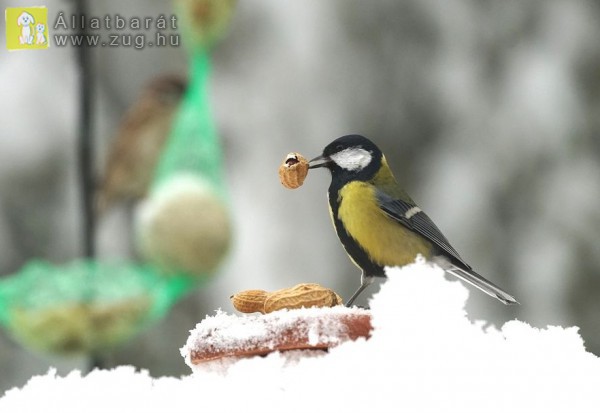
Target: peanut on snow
point(301, 295)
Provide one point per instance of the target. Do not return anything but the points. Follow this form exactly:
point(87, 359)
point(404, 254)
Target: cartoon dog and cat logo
point(26, 28)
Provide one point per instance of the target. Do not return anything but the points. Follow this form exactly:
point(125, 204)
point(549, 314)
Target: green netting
point(193, 145)
point(84, 307)
point(185, 225)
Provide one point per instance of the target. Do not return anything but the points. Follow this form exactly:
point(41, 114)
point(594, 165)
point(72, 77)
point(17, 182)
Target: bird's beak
point(319, 162)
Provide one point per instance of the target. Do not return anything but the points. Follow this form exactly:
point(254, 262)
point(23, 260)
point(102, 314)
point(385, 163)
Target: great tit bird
point(377, 222)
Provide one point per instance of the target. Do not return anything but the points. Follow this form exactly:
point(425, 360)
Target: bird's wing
point(412, 217)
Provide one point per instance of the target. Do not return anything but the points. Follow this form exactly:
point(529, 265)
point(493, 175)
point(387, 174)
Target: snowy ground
point(424, 355)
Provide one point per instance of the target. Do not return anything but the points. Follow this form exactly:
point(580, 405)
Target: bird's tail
point(484, 285)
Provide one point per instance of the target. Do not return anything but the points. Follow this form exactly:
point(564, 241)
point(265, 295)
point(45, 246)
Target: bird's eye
point(339, 148)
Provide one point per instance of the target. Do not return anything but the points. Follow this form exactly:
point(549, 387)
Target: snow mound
point(424, 355)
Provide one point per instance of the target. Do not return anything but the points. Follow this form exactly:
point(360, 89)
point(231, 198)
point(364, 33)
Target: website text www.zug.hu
point(136, 41)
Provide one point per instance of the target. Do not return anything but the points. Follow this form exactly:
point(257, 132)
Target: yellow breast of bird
point(387, 242)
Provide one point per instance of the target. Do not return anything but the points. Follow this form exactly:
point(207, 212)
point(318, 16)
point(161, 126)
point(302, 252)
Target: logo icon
point(26, 28)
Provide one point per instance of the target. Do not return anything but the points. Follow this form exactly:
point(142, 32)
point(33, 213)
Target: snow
point(226, 333)
point(424, 355)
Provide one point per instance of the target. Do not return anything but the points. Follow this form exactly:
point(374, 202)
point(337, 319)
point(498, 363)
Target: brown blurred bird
point(139, 141)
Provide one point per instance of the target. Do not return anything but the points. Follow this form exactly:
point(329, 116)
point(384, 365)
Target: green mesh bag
point(193, 146)
point(85, 307)
point(184, 224)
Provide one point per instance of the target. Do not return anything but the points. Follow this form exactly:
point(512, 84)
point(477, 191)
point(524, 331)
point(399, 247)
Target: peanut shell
point(249, 301)
point(302, 295)
point(293, 170)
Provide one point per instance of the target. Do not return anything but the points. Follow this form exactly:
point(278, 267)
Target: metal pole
point(85, 141)
point(85, 148)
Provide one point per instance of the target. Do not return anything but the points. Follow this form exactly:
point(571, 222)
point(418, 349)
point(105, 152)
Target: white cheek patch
point(352, 159)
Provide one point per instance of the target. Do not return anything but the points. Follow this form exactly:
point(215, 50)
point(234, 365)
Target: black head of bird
point(378, 224)
point(350, 157)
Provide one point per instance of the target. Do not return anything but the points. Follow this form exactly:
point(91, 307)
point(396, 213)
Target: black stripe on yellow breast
point(369, 235)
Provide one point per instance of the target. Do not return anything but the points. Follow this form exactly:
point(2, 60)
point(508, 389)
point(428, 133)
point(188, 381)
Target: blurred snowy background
point(489, 113)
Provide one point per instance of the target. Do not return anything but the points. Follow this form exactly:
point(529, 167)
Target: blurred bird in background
point(377, 222)
point(139, 141)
